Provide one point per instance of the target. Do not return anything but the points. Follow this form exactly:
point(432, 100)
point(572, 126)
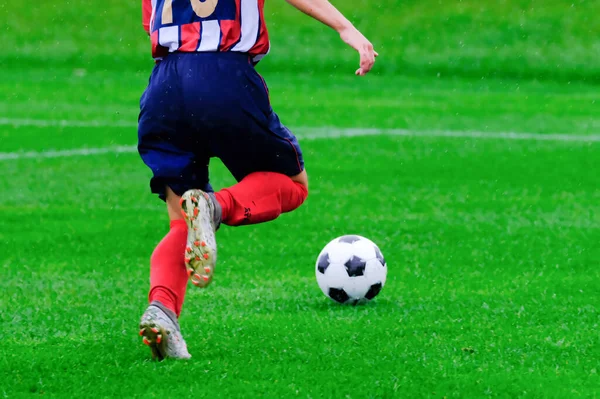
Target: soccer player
point(205, 99)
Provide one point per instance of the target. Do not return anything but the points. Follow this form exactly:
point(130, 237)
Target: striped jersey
point(207, 26)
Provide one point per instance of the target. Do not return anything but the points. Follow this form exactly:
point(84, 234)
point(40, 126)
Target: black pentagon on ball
point(349, 239)
point(338, 295)
point(323, 263)
point(373, 291)
point(379, 256)
point(355, 267)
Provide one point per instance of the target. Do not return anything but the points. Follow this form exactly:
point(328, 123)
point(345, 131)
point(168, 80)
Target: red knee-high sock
point(168, 276)
point(260, 197)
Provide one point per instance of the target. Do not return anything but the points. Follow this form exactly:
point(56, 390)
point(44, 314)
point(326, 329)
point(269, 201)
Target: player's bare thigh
point(174, 208)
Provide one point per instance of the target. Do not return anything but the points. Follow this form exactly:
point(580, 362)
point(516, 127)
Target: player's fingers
point(364, 58)
point(360, 72)
point(367, 61)
point(371, 54)
point(367, 58)
point(364, 70)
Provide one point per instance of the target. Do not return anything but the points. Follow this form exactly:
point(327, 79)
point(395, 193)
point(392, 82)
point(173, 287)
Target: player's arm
point(146, 14)
point(325, 12)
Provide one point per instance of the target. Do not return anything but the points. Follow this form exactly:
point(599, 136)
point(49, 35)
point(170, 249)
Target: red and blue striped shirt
point(207, 26)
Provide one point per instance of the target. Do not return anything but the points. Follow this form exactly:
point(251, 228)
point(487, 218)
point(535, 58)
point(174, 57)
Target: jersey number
point(202, 9)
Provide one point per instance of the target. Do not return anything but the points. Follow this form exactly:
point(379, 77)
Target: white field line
point(121, 149)
point(303, 133)
point(64, 123)
point(323, 133)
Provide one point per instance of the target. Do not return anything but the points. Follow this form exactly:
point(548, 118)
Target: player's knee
point(302, 192)
point(302, 189)
point(302, 184)
point(302, 178)
point(296, 193)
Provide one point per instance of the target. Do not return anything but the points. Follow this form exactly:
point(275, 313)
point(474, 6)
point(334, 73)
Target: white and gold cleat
point(159, 329)
point(201, 212)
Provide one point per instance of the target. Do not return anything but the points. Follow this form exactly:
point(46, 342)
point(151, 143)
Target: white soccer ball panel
point(363, 249)
point(339, 252)
point(367, 240)
point(336, 276)
point(357, 287)
point(375, 272)
point(322, 281)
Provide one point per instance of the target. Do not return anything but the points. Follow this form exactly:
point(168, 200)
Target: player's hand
point(359, 42)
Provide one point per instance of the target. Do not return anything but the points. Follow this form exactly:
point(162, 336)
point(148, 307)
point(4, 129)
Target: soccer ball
point(351, 269)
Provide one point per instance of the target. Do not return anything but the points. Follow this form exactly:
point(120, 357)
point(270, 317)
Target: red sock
point(168, 276)
point(260, 197)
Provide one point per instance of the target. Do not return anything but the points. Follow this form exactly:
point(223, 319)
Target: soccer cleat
point(202, 214)
point(160, 331)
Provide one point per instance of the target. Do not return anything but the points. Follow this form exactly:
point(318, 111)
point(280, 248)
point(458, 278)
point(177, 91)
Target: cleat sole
point(152, 337)
point(201, 248)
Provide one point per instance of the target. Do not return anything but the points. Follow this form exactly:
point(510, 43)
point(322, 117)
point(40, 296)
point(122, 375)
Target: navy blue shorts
point(203, 105)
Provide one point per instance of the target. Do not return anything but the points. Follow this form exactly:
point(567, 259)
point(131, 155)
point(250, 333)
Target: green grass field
point(492, 242)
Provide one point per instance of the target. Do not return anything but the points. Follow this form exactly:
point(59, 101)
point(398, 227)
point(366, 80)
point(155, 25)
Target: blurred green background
point(551, 39)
